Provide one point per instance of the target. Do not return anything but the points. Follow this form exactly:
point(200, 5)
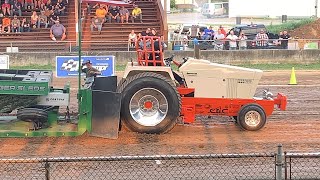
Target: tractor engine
point(212, 80)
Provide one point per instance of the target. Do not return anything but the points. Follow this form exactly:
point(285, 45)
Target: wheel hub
point(148, 107)
point(252, 118)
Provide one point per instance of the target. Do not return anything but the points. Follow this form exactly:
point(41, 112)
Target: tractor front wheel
point(150, 103)
point(251, 117)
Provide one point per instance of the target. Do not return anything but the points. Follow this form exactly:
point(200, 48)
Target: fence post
point(197, 51)
point(279, 163)
point(46, 167)
point(285, 166)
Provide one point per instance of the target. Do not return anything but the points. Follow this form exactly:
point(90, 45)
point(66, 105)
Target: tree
point(172, 4)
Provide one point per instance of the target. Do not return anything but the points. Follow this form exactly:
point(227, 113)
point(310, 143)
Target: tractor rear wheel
point(251, 117)
point(150, 103)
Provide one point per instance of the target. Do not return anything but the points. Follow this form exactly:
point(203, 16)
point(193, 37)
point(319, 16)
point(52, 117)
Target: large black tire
point(254, 114)
point(32, 114)
point(159, 86)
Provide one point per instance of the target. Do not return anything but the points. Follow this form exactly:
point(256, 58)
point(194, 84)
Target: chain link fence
point(228, 166)
point(302, 166)
point(212, 166)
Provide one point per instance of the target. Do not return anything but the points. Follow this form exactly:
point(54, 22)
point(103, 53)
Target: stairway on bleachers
point(114, 36)
point(38, 39)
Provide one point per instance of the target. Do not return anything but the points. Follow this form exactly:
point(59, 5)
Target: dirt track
point(297, 129)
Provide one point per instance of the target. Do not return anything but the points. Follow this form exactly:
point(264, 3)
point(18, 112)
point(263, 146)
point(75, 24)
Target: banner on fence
point(68, 65)
point(4, 61)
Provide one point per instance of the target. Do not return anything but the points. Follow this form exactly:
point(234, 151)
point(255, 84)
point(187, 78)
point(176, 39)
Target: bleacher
point(114, 36)
point(38, 39)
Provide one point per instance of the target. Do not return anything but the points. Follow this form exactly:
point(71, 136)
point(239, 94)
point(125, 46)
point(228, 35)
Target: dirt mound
point(308, 31)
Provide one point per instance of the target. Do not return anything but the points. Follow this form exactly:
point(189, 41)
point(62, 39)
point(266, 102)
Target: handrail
point(163, 20)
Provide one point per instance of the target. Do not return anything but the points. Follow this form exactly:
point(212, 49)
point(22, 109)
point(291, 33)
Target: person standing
point(262, 40)
point(284, 42)
point(242, 41)
point(232, 40)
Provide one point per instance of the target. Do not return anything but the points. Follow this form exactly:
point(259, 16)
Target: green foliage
point(172, 4)
point(287, 66)
point(291, 25)
point(34, 67)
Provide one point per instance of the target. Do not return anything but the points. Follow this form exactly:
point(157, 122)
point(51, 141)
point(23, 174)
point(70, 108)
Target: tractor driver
point(90, 71)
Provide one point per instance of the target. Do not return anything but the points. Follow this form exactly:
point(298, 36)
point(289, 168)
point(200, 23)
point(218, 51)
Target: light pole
point(79, 49)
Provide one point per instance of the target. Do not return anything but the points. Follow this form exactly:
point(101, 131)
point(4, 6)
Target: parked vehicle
point(212, 10)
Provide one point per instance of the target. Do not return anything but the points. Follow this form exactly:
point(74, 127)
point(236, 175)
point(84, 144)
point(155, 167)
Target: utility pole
point(316, 8)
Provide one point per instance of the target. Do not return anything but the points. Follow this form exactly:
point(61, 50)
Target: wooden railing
point(163, 19)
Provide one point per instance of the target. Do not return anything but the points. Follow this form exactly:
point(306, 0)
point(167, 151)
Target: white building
point(273, 8)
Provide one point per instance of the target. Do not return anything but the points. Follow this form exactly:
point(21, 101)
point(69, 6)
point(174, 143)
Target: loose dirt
point(308, 31)
point(297, 129)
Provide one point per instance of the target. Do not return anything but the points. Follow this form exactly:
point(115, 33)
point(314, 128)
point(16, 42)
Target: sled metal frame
point(18, 128)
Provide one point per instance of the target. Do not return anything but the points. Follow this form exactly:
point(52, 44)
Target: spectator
point(219, 40)
point(262, 39)
point(6, 8)
point(25, 25)
point(15, 23)
point(132, 38)
point(278, 42)
point(1, 17)
point(154, 32)
point(114, 14)
point(61, 7)
point(37, 4)
point(285, 37)
point(242, 41)
point(147, 32)
point(136, 13)
point(124, 14)
point(34, 19)
point(49, 6)
point(232, 40)
point(223, 31)
point(28, 4)
point(16, 8)
point(96, 23)
point(208, 34)
point(6, 24)
point(21, 2)
point(57, 31)
point(43, 20)
point(101, 13)
point(53, 18)
point(43, 4)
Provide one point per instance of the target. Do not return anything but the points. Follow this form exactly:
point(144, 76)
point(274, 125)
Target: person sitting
point(136, 13)
point(16, 8)
point(96, 23)
point(132, 39)
point(43, 20)
point(6, 8)
point(114, 14)
point(58, 31)
point(101, 13)
point(25, 25)
point(53, 18)
point(61, 7)
point(124, 14)
point(90, 72)
point(28, 4)
point(15, 23)
point(34, 19)
point(6, 24)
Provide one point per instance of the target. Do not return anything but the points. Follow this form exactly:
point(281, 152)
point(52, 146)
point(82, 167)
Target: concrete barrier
point(226, 57)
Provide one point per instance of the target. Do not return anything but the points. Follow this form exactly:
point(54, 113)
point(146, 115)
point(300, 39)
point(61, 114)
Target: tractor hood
point(214, 80)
